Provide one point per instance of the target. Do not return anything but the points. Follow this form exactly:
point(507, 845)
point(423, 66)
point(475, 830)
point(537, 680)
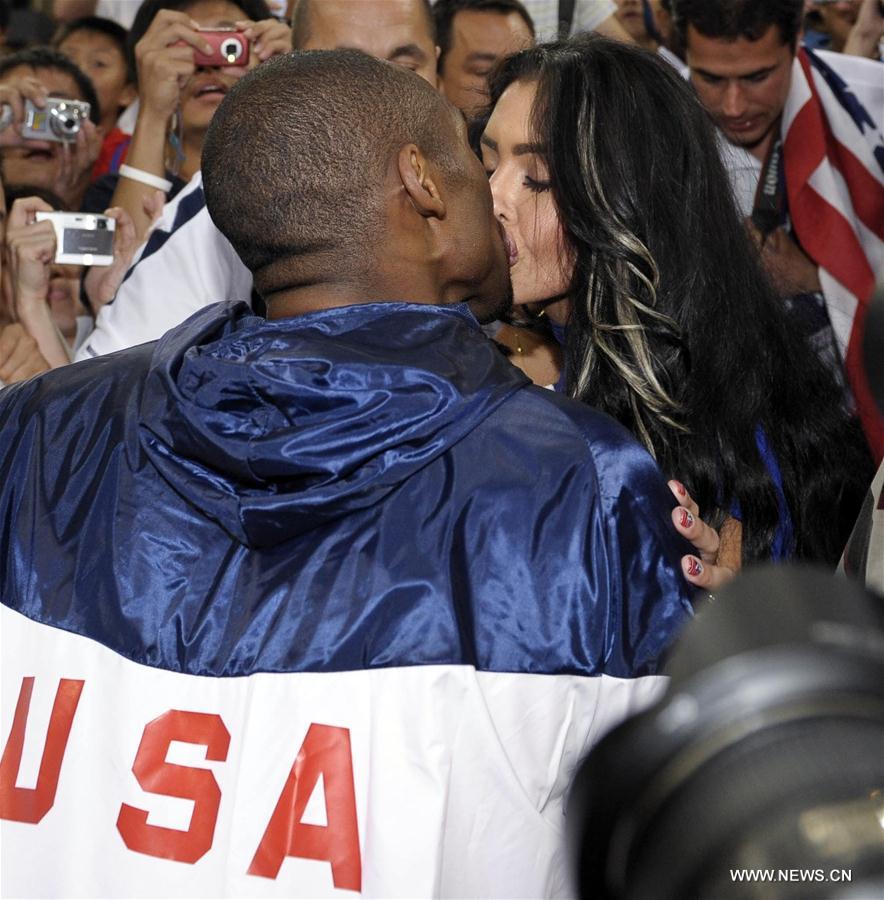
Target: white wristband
point(145, 178)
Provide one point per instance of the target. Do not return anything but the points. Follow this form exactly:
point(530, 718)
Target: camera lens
point(64, 120)
point(231, 50)
point(101, 224)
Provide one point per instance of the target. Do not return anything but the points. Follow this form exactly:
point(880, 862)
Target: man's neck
point(332, 295)
point(762, 148)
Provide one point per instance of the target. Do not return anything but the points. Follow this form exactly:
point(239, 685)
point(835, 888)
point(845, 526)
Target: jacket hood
point(272, 428)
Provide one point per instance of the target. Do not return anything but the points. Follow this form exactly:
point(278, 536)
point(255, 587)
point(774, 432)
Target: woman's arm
point(31, 247)
point(163, 67)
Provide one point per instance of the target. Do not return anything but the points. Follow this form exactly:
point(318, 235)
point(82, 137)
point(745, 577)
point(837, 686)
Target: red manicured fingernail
point(680, 488)
point(695, 567)
point(686, 519)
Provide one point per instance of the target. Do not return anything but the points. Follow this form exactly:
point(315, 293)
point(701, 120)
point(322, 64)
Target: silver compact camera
point(82, 239)
point(60, 120)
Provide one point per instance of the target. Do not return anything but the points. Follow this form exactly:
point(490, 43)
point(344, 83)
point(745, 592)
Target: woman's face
point(523, 203)
point(100, 57)
point(206, 88)
point(64, 298)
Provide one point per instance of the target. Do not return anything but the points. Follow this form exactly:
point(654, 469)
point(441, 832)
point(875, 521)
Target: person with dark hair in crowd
point(62, 167)
point(351, 528)
point(98, 47)
point(186, 260)
point(53, 300)
point(801, 136)
point(54, 296)
point(636, 246)
point(473, 35)
point(177, 97)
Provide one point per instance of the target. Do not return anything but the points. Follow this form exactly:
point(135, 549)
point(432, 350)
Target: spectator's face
point(478, 41)
point(38, 163)
point(205, 90)
point(838, 18)
point(101, 59)
point(64, 298)
point(523, 202)
point(395, 30)
point(630, 15)
point(743, 84)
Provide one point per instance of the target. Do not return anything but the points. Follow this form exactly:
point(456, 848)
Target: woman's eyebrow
point(522, 149)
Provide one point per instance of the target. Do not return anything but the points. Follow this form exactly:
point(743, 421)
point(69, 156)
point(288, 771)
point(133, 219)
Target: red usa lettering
point(325, 753)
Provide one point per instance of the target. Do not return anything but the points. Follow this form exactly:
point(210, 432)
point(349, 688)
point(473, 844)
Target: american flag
point(834, 164)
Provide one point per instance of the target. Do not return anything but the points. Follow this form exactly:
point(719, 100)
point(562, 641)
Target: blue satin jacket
point(363, 487)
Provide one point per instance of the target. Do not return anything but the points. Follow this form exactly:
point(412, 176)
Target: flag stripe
point(834, 182)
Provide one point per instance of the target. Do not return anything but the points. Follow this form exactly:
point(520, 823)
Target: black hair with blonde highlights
point(674, 329)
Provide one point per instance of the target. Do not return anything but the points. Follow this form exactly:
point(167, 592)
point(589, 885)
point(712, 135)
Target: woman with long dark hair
point(606, 176)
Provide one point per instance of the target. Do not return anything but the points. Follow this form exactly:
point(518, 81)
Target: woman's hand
point(31, 246)
point(268, 37)
point(76, 161)
point(13, 94)
point(164, 57)
point(867, 31)
point(719, 554)
point(101, 282)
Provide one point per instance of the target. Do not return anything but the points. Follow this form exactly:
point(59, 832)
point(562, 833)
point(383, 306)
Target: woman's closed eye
point(536, 185)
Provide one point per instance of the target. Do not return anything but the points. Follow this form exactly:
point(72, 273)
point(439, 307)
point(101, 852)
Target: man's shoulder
point(569, 434)
point(67, 391)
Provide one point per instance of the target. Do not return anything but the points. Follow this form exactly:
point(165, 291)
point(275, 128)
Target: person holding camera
point(186, 62)
point(186, 251)
point(51, 140)
point(43, 293)
point(98, 47)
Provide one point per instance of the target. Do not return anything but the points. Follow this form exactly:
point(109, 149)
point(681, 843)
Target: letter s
point(157, 776)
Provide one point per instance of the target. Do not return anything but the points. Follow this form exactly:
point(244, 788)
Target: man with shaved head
point(378, 590)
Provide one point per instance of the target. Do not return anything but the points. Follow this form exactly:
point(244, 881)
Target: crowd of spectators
point(691, 201)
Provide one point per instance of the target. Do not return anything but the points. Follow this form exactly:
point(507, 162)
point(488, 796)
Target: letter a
point(31, 804)
point(325, 752)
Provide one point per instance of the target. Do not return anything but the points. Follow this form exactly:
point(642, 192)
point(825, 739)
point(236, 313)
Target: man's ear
point(419, 183)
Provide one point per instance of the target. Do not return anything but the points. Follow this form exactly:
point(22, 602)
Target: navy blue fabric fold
point(355, 488)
